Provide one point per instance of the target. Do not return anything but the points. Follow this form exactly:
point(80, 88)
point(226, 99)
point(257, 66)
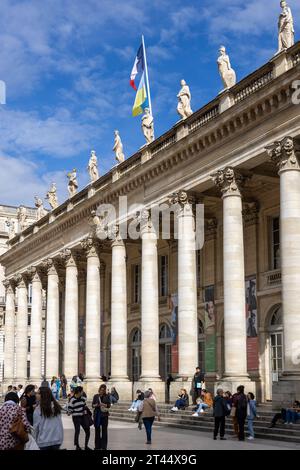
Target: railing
point(164, 144)
point(204, 118)
point(253, 86)
point(271, 279)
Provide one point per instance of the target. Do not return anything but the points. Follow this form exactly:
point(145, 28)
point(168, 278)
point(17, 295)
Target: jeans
point(113, 400)
point(101, 434)
point(241, 422)
point(180, 403)
point(148, 426)
point(64, 392)
point(250, 427)
point(219, 423)
point(292, 416)
point(79, 421)
point(202, 406)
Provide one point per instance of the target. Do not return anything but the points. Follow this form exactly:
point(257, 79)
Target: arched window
point(201, 345)
point(165, 351)
point(276, 343)
point(276, 318)
point(136, 336)
point(165, 332)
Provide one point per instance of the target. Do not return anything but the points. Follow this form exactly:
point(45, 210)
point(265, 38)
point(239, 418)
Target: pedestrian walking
point(251, 414)
point(20, 391)
point(77, 408)
point(149, 410)
point(101, 404)
point(47, 422)
point(220, 411)
point(197, 384)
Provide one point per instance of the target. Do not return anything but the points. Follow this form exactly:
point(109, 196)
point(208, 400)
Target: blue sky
point(67, 65)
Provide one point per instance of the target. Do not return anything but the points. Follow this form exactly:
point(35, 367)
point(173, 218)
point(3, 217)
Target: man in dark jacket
point(220, 411)
point(197, 383)
point(240, 403)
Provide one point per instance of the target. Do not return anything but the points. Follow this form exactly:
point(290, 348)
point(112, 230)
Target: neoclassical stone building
point(141, 309)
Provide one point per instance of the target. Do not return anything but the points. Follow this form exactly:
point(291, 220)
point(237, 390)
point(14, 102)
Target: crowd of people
point(31, 417)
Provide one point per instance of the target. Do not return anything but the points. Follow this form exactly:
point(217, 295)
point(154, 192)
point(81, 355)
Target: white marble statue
point(118, 148)
point(286, 33)
point(11, 228)
point(148, 126)
point(22, 218)
point(93, 167)
point(184, 101)
point(41, 212)
point(227, 73)
point(52, 196)
point(73, 184)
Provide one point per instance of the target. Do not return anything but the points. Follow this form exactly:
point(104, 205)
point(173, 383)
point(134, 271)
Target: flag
point(139, 69)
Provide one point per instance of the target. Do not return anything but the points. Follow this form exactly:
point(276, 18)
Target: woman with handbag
point(14, 426)
point(101, 404)
point(47, 422)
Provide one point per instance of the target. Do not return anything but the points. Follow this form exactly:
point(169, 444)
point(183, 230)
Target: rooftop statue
point(118, 148)
point(227, 73)
point(148, 126)
point(184, 101)
point(286, 33)
point(73, 184)
point(93, 167)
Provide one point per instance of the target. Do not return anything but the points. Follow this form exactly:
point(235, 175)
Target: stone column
point(284, 155)
point(92, 343)
point(118, 312)
point(150, 308)
point(9, 332)
point(36, 327)
point(21, 330)
point(71, 315)
point(187, 287)
point(229, 181)
point(52, 320)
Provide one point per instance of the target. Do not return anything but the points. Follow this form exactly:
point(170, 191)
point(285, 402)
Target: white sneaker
point(195, 414)
point(202, 410)
point(250, 438)
point(130, 409)
point(174, 408)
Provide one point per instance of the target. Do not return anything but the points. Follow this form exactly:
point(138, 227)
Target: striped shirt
point(76, 406)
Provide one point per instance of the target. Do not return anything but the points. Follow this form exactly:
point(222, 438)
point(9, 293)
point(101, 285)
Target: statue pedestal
point(281, 63)
point(226, 100)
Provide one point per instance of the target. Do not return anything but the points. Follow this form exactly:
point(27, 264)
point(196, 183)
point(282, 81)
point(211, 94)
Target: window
point(201, 345)
point(29, 320)
point(275, 243)
point(198, 264)
point(136, 284)
point(29, 345)
point(136, 355)
point(163, 276)
point(30, 294)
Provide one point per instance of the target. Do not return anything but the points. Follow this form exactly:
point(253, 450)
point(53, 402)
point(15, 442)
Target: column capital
point(183, 201)
point(68, 257)
point(250, 212)
point(284, 154)
point(50, 266)
point(90, 246)
point(9, 285)
point(20, 280)
point(229, 181)
point(113, 232)
point(34, 273)
point(143, 218)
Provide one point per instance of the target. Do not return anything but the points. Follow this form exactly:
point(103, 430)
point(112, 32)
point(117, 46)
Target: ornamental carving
point(229, 181)
point(283, 154)
point(20, 280)
point(67, 257)
point(50, 266)
point(90, 246)
point(183, 202)
point(9, 286)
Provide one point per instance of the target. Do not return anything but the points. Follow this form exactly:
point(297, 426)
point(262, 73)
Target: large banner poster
point(210, 329)
point(251, 324)
point(174, 323)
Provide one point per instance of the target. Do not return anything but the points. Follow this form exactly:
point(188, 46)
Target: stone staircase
point(205, 422)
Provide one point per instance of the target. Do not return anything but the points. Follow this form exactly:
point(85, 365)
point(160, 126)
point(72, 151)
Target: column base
point(123, 387)
point(157, 385)
point(285, 391)
point(91, 386)
point(230, 384)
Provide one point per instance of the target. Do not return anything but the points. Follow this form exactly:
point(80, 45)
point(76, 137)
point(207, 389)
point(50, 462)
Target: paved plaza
point(126, 436)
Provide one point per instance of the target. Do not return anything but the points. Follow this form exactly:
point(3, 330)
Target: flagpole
point(147, 78)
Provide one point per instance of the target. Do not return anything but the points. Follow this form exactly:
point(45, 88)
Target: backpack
point(242, 404)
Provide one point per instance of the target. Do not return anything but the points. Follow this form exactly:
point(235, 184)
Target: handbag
point(88, 417)
point(18, 430)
